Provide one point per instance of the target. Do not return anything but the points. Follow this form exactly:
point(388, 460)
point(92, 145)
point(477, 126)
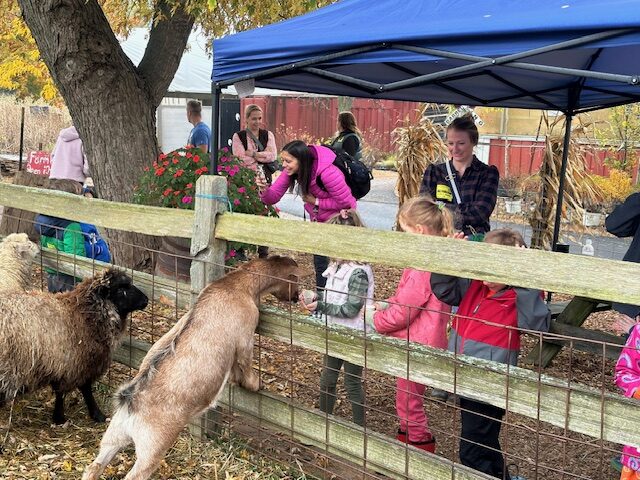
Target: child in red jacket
point(487, 325)
point(416, 315)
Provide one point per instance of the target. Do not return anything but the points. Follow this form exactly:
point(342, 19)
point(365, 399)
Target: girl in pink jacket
point(302, 166)
point(415, 314)
point(628, 379)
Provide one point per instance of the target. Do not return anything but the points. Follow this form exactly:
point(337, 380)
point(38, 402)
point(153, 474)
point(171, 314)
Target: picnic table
point(566, 326)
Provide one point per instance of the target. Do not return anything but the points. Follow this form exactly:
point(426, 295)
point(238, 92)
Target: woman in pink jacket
point(302, 166)
point(415, 314)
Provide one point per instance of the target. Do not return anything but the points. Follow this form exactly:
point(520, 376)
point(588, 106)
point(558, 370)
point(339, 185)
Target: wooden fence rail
point(555, 272)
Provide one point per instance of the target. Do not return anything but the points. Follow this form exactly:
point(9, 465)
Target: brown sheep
point(16, 258)
point(186, 370)
point(64, 340)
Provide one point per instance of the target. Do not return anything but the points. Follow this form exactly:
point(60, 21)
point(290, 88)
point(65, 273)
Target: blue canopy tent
point(568, 55)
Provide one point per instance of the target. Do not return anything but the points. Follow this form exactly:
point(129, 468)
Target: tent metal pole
point(594, 37)
point(445, 74)
point(563, 172)
point(215, 128)
point(303, 63)
point(345, 79)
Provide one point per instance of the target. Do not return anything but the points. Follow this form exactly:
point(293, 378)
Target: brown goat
point(185, 371)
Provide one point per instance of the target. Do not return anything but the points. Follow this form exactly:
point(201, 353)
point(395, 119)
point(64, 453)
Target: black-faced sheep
point(64, 340)
point(16, 258)
point(185, 371)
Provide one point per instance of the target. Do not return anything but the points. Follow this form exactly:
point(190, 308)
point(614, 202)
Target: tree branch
point(167, 41)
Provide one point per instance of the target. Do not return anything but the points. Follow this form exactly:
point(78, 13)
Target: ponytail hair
point(346, 217)
point(423, 210)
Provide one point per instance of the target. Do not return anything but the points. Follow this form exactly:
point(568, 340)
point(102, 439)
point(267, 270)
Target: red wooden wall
point(525, 156)
point(315, 118)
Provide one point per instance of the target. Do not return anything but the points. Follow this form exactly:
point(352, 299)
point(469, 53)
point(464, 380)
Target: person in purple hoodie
point(68, 160)
point(303, 165)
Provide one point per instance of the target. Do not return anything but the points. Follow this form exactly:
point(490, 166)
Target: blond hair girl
point(414, 314)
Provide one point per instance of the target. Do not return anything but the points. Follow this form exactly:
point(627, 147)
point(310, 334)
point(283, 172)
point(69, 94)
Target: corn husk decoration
point(579, 188)
point(419, 145)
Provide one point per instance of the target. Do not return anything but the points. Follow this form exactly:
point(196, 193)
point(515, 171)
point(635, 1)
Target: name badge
point(443, 192)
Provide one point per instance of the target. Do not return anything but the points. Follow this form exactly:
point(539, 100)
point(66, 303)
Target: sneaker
point(439, 394)
point(616, 464)
point(517, 476)
point(401, 436)
point(427, 445)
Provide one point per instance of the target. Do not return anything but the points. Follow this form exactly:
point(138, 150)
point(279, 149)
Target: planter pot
point(513, 206)
point(174, 259)
point(592, 219)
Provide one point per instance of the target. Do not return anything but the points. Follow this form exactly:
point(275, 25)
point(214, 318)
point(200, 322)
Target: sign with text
point(39, 163)
point(459, 112)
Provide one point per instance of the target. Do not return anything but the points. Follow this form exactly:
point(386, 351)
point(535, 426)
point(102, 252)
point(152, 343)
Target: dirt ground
point(35, 449)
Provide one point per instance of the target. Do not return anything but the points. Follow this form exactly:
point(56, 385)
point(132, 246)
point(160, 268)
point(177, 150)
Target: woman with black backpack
point(348, 138)
point(304, 169)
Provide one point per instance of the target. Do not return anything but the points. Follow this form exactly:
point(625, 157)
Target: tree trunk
point(112, 102)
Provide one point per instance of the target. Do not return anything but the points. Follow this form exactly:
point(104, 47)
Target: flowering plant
point(171, 182)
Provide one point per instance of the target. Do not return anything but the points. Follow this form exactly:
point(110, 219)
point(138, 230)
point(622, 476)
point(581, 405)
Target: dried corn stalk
point(419, 145)
point(578, 186)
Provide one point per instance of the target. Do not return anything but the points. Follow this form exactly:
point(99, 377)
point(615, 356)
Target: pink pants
point(410, 408)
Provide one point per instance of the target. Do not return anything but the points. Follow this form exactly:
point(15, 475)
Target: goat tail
point(124, 397)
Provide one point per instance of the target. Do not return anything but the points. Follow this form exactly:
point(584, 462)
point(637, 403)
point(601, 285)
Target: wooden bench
point(567, 320)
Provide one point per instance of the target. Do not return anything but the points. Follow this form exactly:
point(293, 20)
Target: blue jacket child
point(75, 238)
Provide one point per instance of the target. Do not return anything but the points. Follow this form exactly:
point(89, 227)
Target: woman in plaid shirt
point(464, 183)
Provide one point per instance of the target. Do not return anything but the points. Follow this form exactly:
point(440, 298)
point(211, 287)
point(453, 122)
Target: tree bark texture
point(111, 101)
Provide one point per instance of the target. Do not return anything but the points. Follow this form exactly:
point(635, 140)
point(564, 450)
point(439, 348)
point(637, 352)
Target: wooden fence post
point(208, 263)
point(207, 252)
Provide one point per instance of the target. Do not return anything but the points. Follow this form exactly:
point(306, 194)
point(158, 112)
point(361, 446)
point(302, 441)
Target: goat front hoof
point(59, 419)
point(98, 416)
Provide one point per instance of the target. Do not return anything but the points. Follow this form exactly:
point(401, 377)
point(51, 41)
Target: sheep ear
point(24, 249)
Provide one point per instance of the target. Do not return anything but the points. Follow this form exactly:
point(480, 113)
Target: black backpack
point(356, 174)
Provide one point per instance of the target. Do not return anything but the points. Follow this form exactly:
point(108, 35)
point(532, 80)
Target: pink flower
point(236, 202)
point(187, 199)
point(232, 172)
point(225, 149)
point(242, 190)
point(232, 253)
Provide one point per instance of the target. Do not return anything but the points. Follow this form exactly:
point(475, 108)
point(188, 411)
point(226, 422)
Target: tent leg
point(215, 128)
point(563, 172)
